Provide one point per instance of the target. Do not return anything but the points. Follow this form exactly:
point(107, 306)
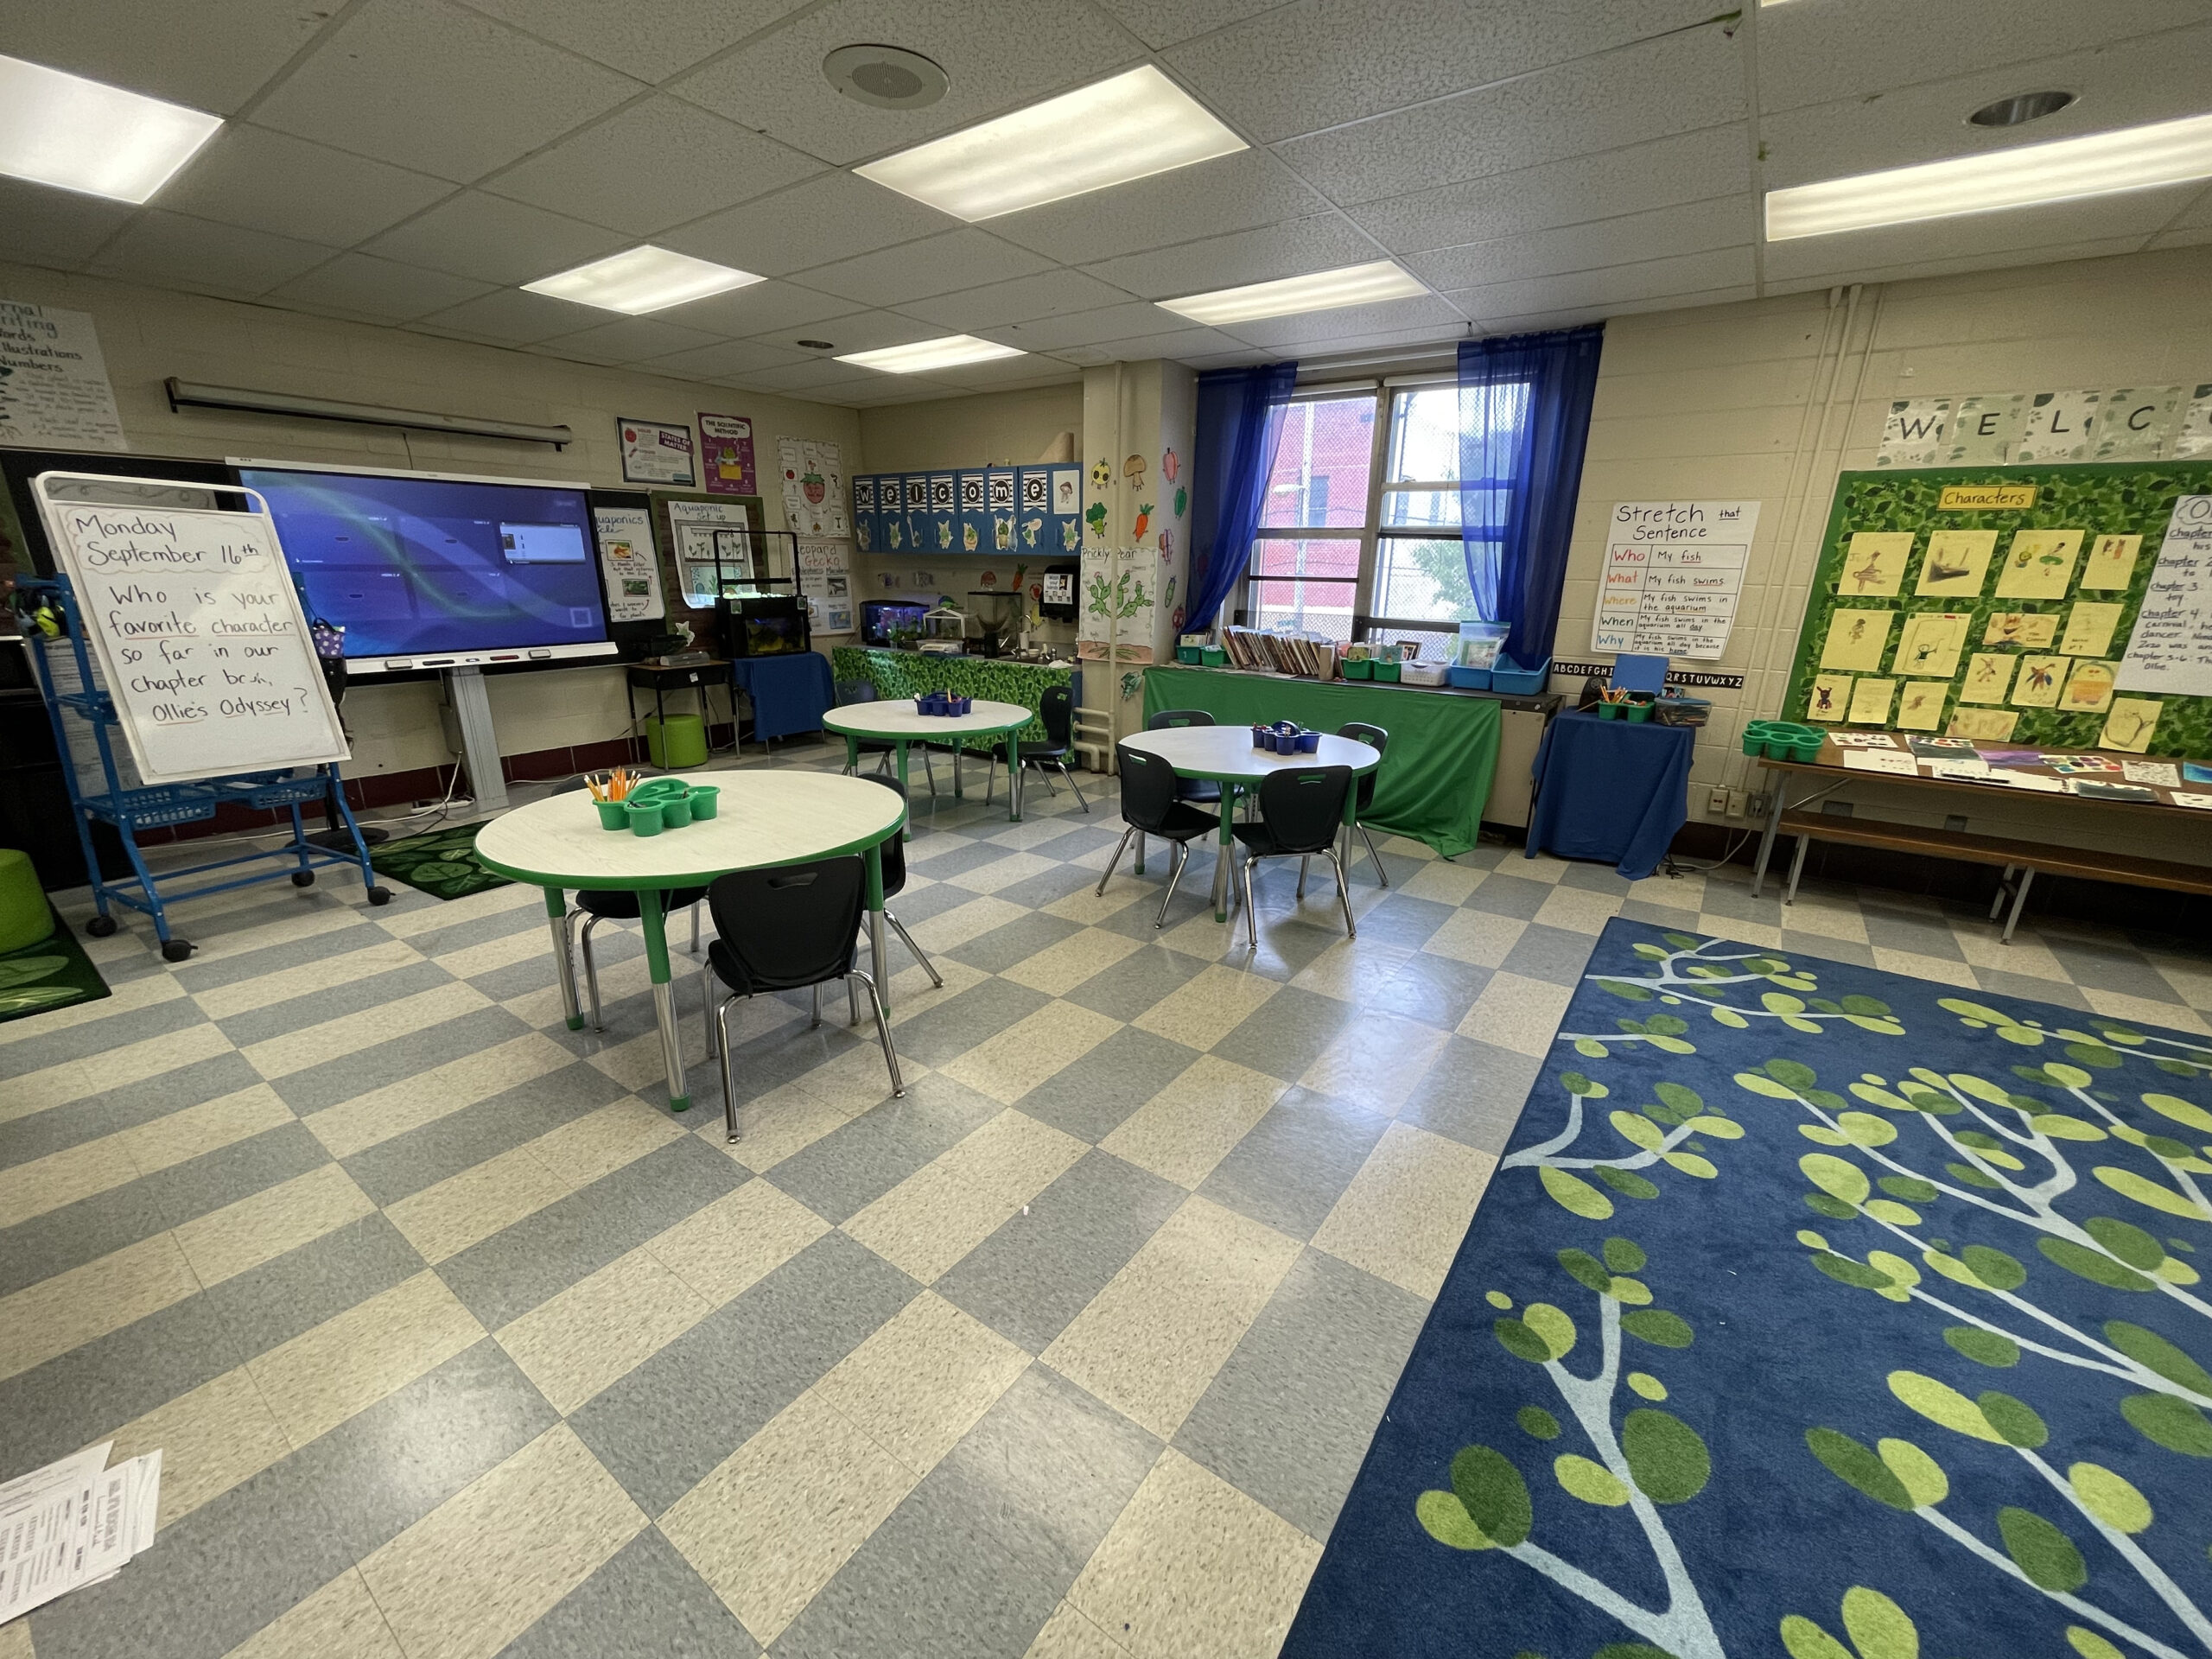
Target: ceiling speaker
point(889, 77)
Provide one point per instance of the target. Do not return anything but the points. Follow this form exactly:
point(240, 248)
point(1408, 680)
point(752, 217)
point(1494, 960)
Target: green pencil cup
point(645, 818)
point(706, 801)
point(1636, 712)
point(612, 815)
point(676, 811)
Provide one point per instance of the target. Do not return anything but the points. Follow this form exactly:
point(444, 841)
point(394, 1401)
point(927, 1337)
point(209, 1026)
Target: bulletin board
point(2004, 617)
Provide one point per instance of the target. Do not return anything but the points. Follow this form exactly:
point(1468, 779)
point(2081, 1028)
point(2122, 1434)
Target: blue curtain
point(1525, 416)
point(1239, 426)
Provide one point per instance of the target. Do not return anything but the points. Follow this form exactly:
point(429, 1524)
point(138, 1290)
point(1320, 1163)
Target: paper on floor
point(73, 1523)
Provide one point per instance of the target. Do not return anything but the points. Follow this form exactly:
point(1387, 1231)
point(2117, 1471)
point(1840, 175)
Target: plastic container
point(676, 811)
point(612, 815)
point(1608, 711)
point(1309, 742)
point(1637, 714)
point(1214, 656)
point(1263, 737)
point(1386, 672)
point(644, 817)
point(1421, 674)
point(1468, 679)
point(680, 740)
point(1508, 676)
point(1683, 711)
point(706, 801)
point(1192, 654)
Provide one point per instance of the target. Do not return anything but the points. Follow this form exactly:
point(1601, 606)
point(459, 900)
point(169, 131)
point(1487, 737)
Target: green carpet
point(51, 974)
point(442, 863)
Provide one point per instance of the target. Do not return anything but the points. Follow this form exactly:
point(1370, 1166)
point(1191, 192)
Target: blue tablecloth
point(790, 694)
point(1612, 790)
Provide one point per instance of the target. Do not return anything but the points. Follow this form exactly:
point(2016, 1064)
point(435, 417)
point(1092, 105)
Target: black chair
point(895, 883)
point(1150, 808)
point(1056, 710)
point(1379, 741)
point(852, 691)
point(785, 928)
point(1190, 789)
point(1300, 812)
point(598, 905)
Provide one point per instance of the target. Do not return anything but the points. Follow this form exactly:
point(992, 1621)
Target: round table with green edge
point(901, 725)
point(1225, 754)
point(763, 818)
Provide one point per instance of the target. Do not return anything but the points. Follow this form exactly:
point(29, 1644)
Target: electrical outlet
point(1716, 802)
point(1761, 803)
point(1735, 803)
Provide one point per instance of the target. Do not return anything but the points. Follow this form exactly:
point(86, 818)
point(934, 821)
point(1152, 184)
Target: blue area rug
point(1815, 1312)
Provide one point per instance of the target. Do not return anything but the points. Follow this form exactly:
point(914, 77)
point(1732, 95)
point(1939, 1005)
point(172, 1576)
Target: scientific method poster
point(655, 453)
point(725, 455)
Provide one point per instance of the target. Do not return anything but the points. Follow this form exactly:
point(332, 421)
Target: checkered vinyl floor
point(458, 1344)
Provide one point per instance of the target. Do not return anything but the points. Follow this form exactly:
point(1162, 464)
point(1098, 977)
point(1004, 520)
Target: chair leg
point(1381, 875)
point(1344, 896)
point(1177, 859)
point(852, 1004)
point(929, 771)
point(920, 956)
point(695, 926)
point(1074, 785)
point(816, 1020)
point(707, 1010)
point(1252, 915)
point(883, 1031)
point(1116, 859)
point(729, 1086)
point(591, 973)
point(1304, 858)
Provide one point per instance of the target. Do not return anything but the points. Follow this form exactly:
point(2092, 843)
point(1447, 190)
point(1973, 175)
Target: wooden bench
point(2026, 858)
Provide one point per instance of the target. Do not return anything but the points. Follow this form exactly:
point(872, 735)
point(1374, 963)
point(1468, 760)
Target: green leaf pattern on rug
point(442, 862)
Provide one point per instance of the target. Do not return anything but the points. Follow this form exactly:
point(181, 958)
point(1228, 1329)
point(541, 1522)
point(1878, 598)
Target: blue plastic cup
point(1309, 742)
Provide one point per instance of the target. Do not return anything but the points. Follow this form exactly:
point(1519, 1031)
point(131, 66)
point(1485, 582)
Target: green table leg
point(878, 946)
point(1013, 776)
point(564, 960)
point(1229, 793)
point(671, 1044)
point(852, 755)
point(901, 745)
point(958, 744)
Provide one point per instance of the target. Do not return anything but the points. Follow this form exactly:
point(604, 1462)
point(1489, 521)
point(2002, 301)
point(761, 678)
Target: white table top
point(897, 718)
point(763, 817)
point(1227, 752)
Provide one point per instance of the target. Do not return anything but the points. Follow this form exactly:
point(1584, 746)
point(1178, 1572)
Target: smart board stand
point(480, 743)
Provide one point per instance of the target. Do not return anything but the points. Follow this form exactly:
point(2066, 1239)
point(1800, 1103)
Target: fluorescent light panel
point(75, 134)
point(2066, 169)
point(948, 352)
point(1323, 290)
point(1129, 127)
point(645, 279)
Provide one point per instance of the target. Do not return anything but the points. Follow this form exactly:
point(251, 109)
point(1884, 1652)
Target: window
point(1360, 538)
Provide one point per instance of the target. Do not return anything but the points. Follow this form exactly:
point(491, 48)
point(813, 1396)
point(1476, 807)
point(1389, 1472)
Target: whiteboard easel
point(197, 629)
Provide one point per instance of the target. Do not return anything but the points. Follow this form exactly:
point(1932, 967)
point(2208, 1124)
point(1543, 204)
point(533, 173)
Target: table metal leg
point(2019, 903)
point(878, 945)
point(1013, 778)
point(1766, 839)
point(1221, 858)
point(1138, 868)
point(564, 961)
point(2004, 887)
point(1796, 868)
point(671, 1036)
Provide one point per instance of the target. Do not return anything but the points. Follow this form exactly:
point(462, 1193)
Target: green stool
point(680, 743)
point(25, 917)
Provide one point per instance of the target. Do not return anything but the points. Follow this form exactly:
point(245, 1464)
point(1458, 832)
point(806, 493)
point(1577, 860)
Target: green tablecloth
point(1435, 775)
point(910, 674)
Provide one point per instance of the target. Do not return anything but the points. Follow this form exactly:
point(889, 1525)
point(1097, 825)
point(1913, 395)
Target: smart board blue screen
point(414, 566)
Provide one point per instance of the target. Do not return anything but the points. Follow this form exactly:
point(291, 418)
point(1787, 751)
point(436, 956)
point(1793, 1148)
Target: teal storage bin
point(1468, 679)
point(1508, 676)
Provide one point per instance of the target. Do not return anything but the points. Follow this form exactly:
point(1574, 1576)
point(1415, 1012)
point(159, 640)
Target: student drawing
point(2020, 628)
point(1829, 697)
point(2130, 724)
point(2111, 563)
point(2089, 688)
point(2038, 682)
point(1957, 563)
point(1931, 642)
point(1989, 676)
point(1856, 639)
point(2039, 564)
point(1982, 725)
point(1920, 708)
point(2090, 628)
point(1870, 703)
point(1874, 568)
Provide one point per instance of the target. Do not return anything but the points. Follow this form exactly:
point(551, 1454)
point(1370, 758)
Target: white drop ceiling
point(412, 162)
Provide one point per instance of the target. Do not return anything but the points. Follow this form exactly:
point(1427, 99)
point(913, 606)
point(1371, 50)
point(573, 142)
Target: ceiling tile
point(760, 308)
point(272, 181)
point(829, 217)
point(495, 240)
point(1322, 243)
point(1726, 221)
point(379, 288)
point(1026, 299)
point(2141, 80)
point(1601, 103)
point(428, 84)
point(1087, 327)
point(938, 264)
point(1691, 166)
point(724, 360)
point(998, 55)
point(170, 250)
point(1176, 343)
point(1438, 316)
point(629, 340)
point(864, 331)
point(1012, 373)
point(1163, 23)
point(211, 54)
point(1323, 62)
point(2138, 213)
point(1812, 53)
point(59, 229)
point(2196, 215)
point(510, 315)
point(2043, 254)
point(815, 376)
point(651, 42)
point(1229, 193)
point(1648, 279)
point(652, 165)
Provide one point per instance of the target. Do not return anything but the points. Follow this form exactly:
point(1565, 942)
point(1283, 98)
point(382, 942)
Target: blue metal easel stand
point(160, 806)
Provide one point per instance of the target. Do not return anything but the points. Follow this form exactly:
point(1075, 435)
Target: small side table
point(694, 677)
point(1614, 791)
point(790, 693)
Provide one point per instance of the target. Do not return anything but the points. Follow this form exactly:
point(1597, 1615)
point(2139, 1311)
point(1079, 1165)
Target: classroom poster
point(54, 386)
point(654, 452)
point(2170, 650)
point(825, 581)
point(629, 564)
point(813, 478)
point(726, 462)
point(1673, 572)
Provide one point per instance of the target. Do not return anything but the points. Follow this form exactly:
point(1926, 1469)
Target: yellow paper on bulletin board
point(1930, 642)
point(2024, 628)
point(1989, 676)
point(2090, 628)
point(2039, 564)
point(2040, 678)
point(1957, 563)
point(2112, 561)
point(2130, 724)
point(1983, 725)
point(2089, 688)
point(1856, 639)
point(1874, 567)
point(1870, 703)
point(1920, 708)
point(1831, 696)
